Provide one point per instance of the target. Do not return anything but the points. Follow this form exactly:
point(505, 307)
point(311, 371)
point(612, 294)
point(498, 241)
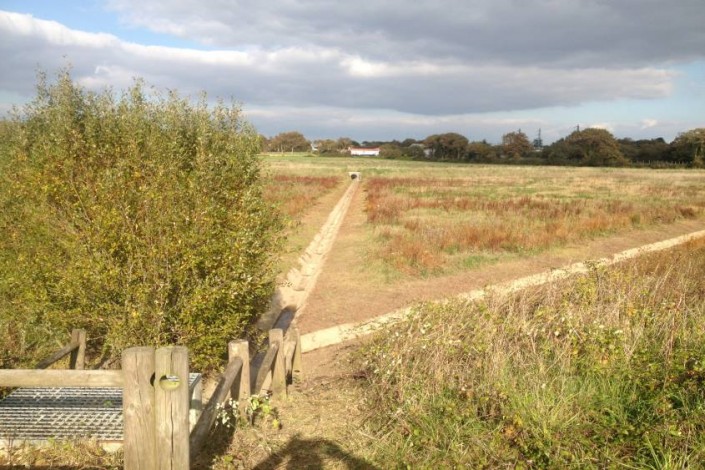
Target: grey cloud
point(561, 33)
point(325, 90)
point(313, 77)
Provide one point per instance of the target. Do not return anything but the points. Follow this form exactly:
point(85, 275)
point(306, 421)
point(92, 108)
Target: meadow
point(430, 219)
point(604, 370)
point(600, 370)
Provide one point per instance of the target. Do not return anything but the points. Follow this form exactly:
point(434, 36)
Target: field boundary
point(349, 331)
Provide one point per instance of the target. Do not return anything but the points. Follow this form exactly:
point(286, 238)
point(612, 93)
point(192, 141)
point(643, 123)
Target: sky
point(383, 70)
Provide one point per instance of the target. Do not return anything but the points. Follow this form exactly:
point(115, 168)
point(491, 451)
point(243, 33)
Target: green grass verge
point(604, 370)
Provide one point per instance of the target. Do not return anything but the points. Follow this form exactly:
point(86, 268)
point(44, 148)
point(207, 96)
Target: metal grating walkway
point(37, 414)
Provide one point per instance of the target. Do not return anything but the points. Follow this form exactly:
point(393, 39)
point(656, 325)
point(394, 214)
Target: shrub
point(137, 216)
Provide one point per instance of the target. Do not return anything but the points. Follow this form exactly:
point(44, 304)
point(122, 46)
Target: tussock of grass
point(603, 370)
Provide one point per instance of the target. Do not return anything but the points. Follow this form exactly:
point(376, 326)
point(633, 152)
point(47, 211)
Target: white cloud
point(649, 123)
point(395, 67)
point(52, 32)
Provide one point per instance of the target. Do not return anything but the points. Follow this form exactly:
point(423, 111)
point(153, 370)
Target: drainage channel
point(349, 331)
point(289, 301)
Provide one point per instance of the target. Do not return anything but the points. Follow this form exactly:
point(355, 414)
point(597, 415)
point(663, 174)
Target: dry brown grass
point(603, 370)
point(60, 455)
point(296, 194)
point(427, 225)
point(320, 428)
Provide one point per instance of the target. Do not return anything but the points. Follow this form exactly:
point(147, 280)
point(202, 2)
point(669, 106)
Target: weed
point(260, 409)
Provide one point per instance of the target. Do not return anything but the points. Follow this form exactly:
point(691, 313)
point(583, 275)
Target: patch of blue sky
point(684, 104)
point(92, 16)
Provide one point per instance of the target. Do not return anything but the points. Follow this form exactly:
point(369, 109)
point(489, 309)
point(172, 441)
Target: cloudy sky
point(383, 69)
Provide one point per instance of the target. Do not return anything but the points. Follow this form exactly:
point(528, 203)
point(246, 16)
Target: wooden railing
point(77, 349)
point(281, 363)
point(156, 393)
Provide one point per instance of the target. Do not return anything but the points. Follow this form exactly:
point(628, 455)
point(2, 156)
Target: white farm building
point(364, 152)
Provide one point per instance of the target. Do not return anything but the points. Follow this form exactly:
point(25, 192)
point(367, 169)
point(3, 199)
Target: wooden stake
point(78, 355)
point(138, 409)
point(171, 398)
point(276, 336)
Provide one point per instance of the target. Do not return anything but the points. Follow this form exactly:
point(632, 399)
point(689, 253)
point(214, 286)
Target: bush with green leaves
point(138, 216)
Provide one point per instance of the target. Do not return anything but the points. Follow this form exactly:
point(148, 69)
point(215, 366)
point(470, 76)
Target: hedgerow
point(138, 216)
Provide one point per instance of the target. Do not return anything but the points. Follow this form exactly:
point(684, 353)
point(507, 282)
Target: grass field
point(435, 218)
point(426, 225)
point(599, 371)
point(294, 195)
point(605, 370)
point(302, 199)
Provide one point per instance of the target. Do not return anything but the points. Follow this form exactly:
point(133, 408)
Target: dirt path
point(322, 422)
point(292, 295)
point(347, 293)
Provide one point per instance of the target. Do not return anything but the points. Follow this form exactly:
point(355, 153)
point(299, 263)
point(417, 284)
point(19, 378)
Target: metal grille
point(36, 414)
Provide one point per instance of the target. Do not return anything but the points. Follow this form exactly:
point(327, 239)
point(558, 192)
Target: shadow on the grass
point(313, 454)
point(216, 446)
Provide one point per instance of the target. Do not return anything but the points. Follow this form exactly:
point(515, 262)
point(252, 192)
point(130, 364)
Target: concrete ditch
point(350, 331)
point(289, 300)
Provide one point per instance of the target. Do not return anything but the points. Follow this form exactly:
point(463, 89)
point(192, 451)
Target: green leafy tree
point(481, 152)
point(689, 147)
point(644, 150)
point(289, 142)
point(449, 146)
point(391, 151)
point(326, 146)
point(344, 143)
point(137, 216)
point(516, 145)
point(414, 151)
point(594, 147)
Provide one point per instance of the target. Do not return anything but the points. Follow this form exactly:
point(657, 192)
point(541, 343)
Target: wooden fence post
point(138, 409)
point(78, 355)
point(241, 389)
point(210, 413)
point(171, 399)
point(276, 336)
point(297, 369)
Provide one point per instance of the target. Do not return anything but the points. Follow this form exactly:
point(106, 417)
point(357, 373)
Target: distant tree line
point(583, 147)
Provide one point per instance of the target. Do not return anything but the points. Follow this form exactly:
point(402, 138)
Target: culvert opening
point(354, 175)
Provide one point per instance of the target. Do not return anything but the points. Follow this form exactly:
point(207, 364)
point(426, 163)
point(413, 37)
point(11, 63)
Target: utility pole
point(538, 142)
